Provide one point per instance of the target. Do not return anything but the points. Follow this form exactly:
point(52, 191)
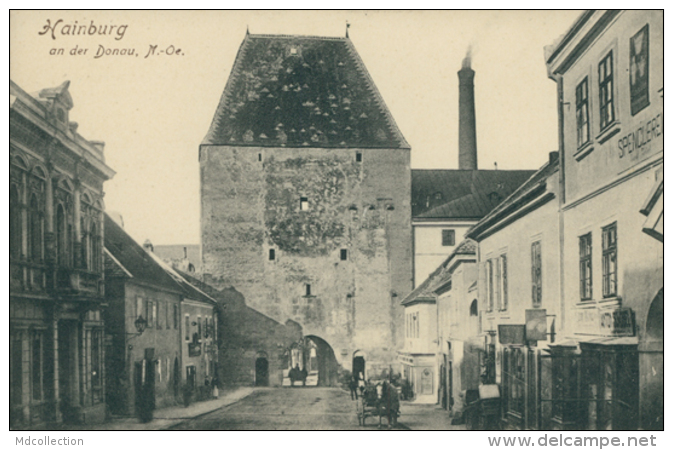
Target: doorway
point(67, 365)
point(358, 366)
point(261, 371)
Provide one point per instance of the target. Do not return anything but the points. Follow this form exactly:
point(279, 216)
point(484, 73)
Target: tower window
point(259, 156)
point(303, 204)
point(272, 254)
point(308, 290)
point(358, 157)
point(344, 254)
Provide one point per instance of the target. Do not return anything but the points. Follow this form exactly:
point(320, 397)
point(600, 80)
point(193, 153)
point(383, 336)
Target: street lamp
point(140, 324)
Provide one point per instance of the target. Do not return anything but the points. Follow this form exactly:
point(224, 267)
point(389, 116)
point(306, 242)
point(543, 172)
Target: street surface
point(305, 408)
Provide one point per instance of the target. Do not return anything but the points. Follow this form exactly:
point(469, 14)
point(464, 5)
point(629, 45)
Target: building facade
point(609, 71)
point(519, 292)
point(459, 345)
point(143, 364)
point(56, 263)
point(305, 183)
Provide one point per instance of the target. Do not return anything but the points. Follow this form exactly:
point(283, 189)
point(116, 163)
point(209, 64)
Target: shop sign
point(194, 349)
point(536, 324)
point(619, 322)
point(512, 334)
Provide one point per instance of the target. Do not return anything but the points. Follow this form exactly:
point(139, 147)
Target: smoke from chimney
point(467, 127)
point(467, 61)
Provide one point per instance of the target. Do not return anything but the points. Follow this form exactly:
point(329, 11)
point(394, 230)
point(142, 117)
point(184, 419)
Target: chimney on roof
point(147, 245)
point(467, 128)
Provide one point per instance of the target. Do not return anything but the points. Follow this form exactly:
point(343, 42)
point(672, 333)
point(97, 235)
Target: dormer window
point(60, 115)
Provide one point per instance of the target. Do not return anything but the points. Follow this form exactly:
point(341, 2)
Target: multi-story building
point(519, 291)
point(305, 207)
point(56, 263)
point(143, 322)
point(609, 71)
point(163, 330)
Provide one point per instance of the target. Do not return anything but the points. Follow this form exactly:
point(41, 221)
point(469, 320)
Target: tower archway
point(321, 361)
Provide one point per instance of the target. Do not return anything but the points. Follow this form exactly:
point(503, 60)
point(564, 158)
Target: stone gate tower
point(305, 194)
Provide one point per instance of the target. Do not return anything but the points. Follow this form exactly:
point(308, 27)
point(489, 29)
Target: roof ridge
point(298, 36)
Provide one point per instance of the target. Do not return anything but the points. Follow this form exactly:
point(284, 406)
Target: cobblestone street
point(306, 409)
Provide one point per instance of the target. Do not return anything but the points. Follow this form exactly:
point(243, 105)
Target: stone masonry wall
point(251, 204)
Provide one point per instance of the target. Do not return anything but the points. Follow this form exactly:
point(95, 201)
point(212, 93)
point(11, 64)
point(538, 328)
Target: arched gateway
point(313, 356)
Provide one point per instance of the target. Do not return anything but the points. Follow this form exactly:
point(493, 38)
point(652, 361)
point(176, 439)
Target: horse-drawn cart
point(380, 400)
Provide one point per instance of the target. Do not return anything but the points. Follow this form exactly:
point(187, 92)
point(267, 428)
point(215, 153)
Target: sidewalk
point(167, 417)
point(426, 417)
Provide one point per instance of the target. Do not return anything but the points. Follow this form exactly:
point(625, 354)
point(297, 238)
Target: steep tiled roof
point(532, 189)
point(441, 274)
point(300, 91)
point(190, 291)
point(461, 194)
point(123, 251)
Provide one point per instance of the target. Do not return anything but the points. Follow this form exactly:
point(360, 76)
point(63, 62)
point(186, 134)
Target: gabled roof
point(461, 194)
point(301, 91)
point(441, 275)
point(534, 188)
point(190, 291)
point(133, 259)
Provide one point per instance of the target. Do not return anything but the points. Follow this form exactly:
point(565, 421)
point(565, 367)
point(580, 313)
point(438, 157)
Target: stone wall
point(351, 244)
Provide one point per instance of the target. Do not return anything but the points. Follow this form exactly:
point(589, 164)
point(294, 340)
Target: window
point(489, 285)
point(168, 316)
point(259, 157)
point(34, 230)
point(536, 273)
point(308, 290)
point(474, 308)
point(15, 228)
point(186, 327)
point(585, 267)
point(61, 237)
point(199, 330)
point(358, 157)
point(497, 276)
point(605, 91)
point(96, 363)
point(514, 366)
point(139, 307)
point(303, 204)
point(344, 254)
point(639, 55)
point(610, 260)
point(448, 238)
point(272, 254)
point(95, 251)
point(176, 315)
point(37, 362)
point(84, 247)
point(158, 314)
point(151, 313)
point(503, 283)
point(582, 111)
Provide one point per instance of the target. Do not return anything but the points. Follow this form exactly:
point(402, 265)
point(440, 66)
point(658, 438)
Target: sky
point(152, 113)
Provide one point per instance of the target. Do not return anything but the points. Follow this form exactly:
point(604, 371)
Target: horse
point(387, 403)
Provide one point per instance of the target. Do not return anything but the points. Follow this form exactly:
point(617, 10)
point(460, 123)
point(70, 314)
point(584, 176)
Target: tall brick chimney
point(467, 128)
